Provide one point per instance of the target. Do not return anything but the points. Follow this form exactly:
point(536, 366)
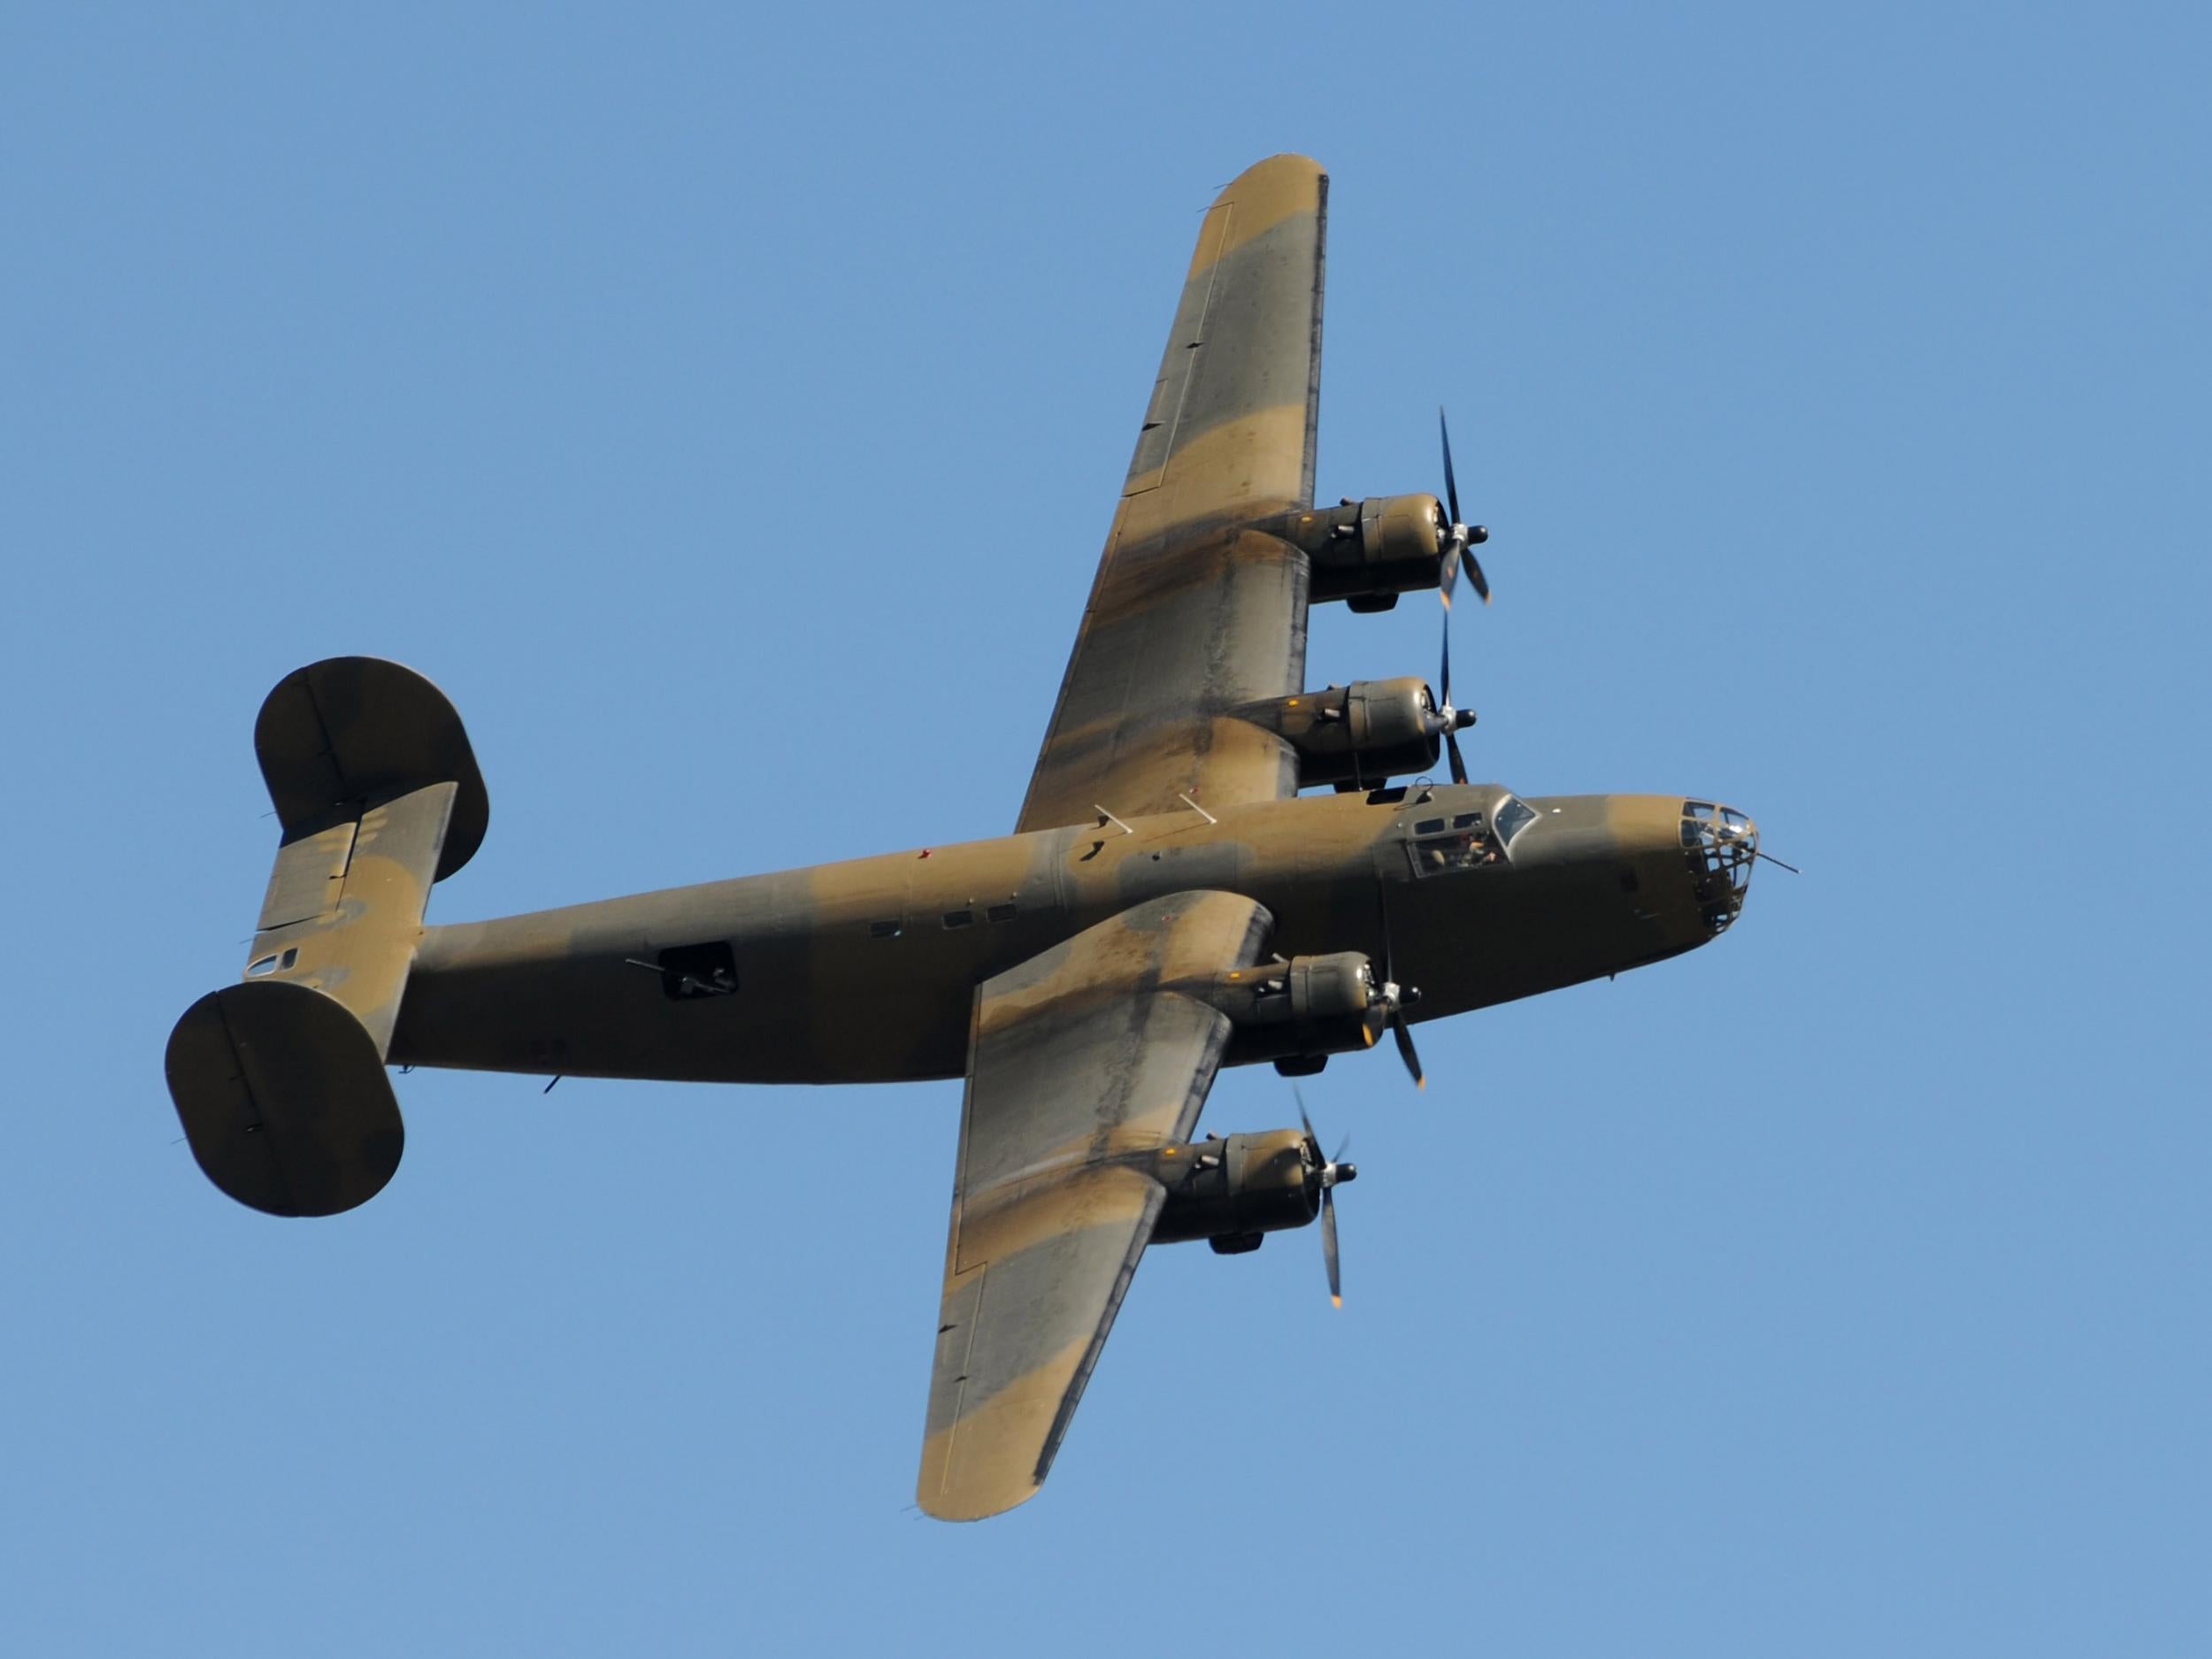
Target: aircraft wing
point(1082, 1063)
point(1193, 612)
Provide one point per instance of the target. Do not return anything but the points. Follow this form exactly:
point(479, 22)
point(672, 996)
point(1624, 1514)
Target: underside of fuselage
point(865, 970)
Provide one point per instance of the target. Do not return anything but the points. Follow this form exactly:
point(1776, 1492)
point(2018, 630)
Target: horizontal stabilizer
point(285, 1099)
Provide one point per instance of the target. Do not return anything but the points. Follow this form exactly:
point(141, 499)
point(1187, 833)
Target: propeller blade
point(1474, 574)
point(1397, 1002)
point(1444, 696)
point(1399, 1030)
point(1299, 1095)
point(1461, 551)
point(1444, 670)
point(1451, 485)
point(1328, 1246)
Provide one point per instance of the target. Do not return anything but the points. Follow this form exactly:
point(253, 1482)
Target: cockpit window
point(1454, 849)
point(1513, 816)
point(1437, 849)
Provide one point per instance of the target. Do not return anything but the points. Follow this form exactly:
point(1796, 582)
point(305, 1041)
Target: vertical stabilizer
point(279, 1080)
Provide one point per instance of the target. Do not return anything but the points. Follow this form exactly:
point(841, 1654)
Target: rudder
point(284, 1098)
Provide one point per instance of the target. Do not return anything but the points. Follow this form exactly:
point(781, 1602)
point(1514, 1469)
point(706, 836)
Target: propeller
point(1459, 539)
point(1390, 1003)
point(1452, 721)
point(1331, 1173)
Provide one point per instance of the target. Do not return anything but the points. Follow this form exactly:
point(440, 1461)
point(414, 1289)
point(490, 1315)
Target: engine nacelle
point(1370, 551)
point(1306, 1006)
point(1232, 1190)
point(1363, 734)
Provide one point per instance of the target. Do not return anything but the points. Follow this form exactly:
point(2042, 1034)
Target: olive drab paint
point(1168, 902)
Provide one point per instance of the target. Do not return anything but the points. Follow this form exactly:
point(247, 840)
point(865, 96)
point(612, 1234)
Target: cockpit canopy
point(1467, 841)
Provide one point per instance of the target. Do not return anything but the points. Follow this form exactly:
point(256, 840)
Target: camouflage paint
point(1074, 969)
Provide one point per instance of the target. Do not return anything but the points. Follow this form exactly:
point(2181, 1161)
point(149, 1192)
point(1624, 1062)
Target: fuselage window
point(958, 919)
point(883, 930)
point(689, 971)
point(1428, 827)
point(1513, 816)
point(1000, 913)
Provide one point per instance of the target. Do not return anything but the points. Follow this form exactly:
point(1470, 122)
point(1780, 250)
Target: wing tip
point(961, 1505)
point(1286, 171)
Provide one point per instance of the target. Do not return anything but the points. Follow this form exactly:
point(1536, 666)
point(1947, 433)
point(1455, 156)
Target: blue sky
point(726, 409)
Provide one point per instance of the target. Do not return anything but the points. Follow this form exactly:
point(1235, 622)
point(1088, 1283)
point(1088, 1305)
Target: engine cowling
point(1308, 1005)
point(1231, 1190)
point(1370, 551)
point(1363, 734)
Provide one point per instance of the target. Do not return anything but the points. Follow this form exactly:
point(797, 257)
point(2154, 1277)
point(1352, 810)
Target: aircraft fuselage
point(865, 970)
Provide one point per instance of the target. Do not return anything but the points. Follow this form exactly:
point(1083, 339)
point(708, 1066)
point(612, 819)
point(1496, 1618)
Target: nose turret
point(1718, 847)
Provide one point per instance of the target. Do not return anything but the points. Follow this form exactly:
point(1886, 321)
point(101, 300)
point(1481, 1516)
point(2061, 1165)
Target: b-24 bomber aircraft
point(1168, 904)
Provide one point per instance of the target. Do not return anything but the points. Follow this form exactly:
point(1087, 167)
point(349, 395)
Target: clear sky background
point(726, 407)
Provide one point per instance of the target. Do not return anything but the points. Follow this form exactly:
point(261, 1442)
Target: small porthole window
point(265, 966)
point(1428, 827)
point(959, 919)
point(1467, 820)
point(1000, 913)
point(883, 930)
